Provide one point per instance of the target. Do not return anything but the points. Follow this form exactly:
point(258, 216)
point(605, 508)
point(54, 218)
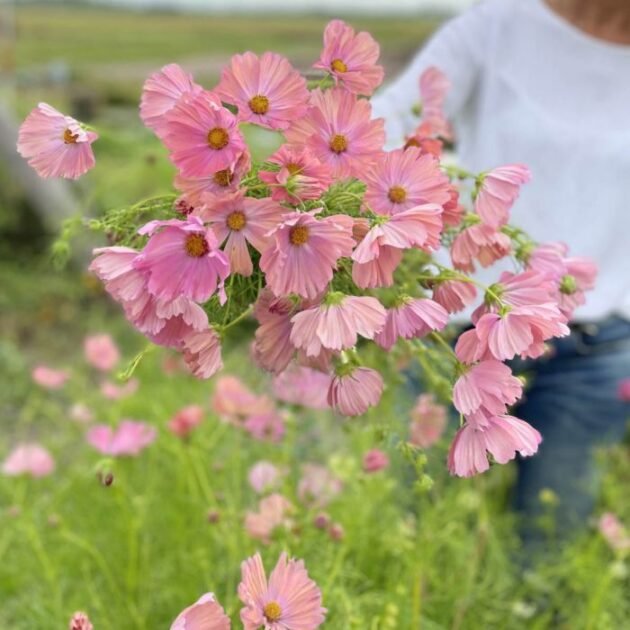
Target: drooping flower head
point(304, 386)
point(403, 179)
point(304, 253)
point(202, 136)
point(454, 295)
point(129, 438)
point(267, 90)
point(239, 220)
point(28, 459)
point(351, 58)
point(428, 421)
point(354, 390)
point(479, 242)
point(182, 258)
point(301, 176)
point(202, 353)
point(338, 129)
point(498, 190)
point(205, 614)
point(290, 599)
point(161, 92)
point(55, 145)
point(101, 352)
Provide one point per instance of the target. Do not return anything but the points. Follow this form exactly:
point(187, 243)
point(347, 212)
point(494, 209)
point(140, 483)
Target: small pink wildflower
point(101, 352)
point(129, 438)
point(28, 459)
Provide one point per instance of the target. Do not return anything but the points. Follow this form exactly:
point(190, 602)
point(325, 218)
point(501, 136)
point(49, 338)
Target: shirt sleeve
point(457, 49)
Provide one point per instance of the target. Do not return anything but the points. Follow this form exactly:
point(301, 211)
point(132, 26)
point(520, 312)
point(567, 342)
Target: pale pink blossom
point(161, 92)
point(112, 391)
point(289, 600)
point(615, 534)
point(501, 436)
point(130, 438)
point(375, 460)
point(428, 421)
point(339, 130)
point(433, 86)
point(479, 242)
point(80, 412)
point(202, 136)
point(497, 192)
point(264, 476)
point(413, 318)
point(49, 378)
point(80, 621)
point(318, 486)
point(202, 353)
point(101, 352)
point(355, 390)
point(205, 614)
point(336, 323)
point(350, 58)
point(378, 271)
point(301, 176)
point(266, 426)
point(186, 420)
point(55, 145)
point(233, 401)
point(579, 277)
point(303, 386)
point(273, 512)
point(114, 267)
point(28, 459)
point(453, 211)
point(454, 295)
point(267, 90)
point(403, 179)
point(304, 252)
point(239, 220)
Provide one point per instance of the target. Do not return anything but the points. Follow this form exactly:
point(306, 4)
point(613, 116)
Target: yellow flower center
point(196, 245)
point(338, 143)
point(298, 235)
point(69, 137)
point(272, 611)
point(338, 66)
point(259, 104)
point(223, 178)
point(397, 194)
point(293, 168)
point(218, 138)
point(236, 221)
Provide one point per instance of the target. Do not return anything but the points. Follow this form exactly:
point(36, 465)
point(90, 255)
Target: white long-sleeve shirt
point(529, 87)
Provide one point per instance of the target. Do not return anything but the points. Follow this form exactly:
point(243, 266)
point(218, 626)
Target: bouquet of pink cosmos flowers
point(331, 244)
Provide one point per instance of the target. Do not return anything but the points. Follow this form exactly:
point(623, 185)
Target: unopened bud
point(322, 520)
point(336, 531)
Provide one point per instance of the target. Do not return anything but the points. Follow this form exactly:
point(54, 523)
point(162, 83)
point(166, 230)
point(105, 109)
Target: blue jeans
point(573, 401)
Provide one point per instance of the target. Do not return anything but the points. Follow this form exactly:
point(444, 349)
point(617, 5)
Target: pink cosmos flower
point(264, 476)
point(267, 426)
point(304, 386)
point(80, 621)
point(197, 190)
point(614, 532)
point(547, 258)
point(378, 271)
point(267, 90)
point(501, 436)
point(48, 377)
point(454, 295)
point(186, 420)
point(182, 258)
point(233, 401)
point(129, 438)
point(336, 323)
point(498, 190)
point(426, 144)
point(272, 513)
point(352, 393)
point(453, 210)
point(240, 220)
point(28, 459)
point(351, 58)
point(114, 267)
point(289, 600)
point(101, 352)
point(202, 136)
point(375, 460)
point(403, 179)
point(624, 390)
point(434, 86)
point(301, 176)
point(80, 412)
point(579, 277)
point(112, 391)
point(318, 486)
point(202, 353)
point(338, 129)
point(479, 242)
point(205, 614)
point(489, 386)
point(428, 421)
point(413, 318)
point(55, 145)
point(304, 252)
point(161, 92)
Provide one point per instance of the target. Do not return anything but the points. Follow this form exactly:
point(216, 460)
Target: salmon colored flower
point(454, 295)
point(202, 353)
point(267, 90)
point(355, 390)
point(49, 378)
point(375, 460)
point(428, 421)
point(186, 420)
point(129, 438)
point(498, 190)
point(350, 58)
point(28, 459)
point(205, 614)
point(290, 599)
point(479, 242)
point(55, 145)
point(101, 352)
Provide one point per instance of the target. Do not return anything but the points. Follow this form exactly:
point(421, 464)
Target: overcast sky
point(329, 6)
